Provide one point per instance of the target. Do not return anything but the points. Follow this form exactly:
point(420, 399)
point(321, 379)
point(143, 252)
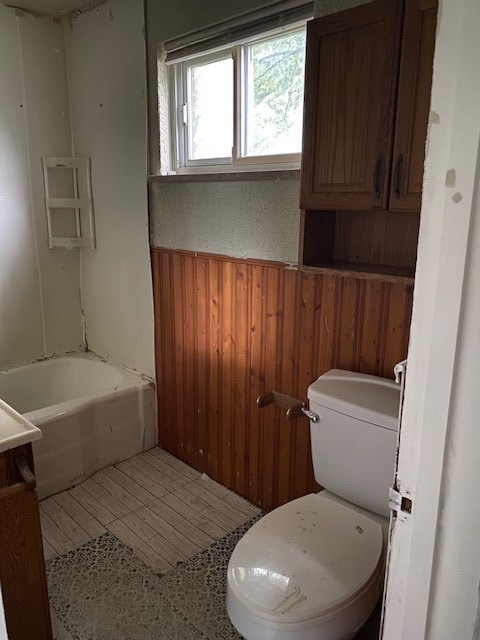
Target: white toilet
point(313, 568)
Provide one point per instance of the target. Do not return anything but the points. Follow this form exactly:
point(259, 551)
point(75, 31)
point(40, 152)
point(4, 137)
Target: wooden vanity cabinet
point(22, 567)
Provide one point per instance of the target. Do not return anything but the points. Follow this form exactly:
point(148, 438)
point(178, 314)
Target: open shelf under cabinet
point(379, 245)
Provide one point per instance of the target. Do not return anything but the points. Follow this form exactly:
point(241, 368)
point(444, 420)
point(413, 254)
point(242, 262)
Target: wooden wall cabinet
point(367, 100)
point(22, 566)
point(413, 105)
point(350, 84)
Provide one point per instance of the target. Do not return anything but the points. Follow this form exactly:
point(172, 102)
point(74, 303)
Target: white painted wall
point(40, 305)
point(48, 131)
point(106, 51)
point(39, 290)
point(20, 306)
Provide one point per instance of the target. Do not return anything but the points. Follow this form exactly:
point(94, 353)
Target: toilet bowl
point(313, 568)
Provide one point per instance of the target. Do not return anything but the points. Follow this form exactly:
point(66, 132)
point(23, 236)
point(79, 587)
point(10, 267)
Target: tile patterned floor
point(162, 509)
point(165, 512)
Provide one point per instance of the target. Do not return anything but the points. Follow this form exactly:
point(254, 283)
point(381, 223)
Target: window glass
point(273, 95)
point(210, 110)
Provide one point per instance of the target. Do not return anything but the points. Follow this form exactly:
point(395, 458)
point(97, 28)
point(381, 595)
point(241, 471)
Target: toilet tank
point(354, 443)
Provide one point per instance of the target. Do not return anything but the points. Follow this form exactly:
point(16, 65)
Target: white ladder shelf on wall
point(82, 206)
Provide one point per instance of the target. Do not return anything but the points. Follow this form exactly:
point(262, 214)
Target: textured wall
point(325, 7)
point(39, 289)
point(108, 85)
point(247, 219)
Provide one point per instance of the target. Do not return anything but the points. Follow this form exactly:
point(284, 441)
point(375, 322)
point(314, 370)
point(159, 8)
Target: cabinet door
point(350, 85)
point(22, 567)
point(413, 104)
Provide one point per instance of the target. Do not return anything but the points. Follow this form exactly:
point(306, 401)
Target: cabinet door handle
point(26, 473)
point(396, 176)
point(376, 177)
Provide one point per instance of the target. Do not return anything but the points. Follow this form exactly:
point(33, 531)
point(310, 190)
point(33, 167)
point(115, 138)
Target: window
point(241, 106)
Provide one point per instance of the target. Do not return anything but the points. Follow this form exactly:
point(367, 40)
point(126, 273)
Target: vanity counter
point(15, 430)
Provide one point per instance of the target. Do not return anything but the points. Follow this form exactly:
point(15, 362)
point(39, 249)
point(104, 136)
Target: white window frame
point(179, 78)
point(181, 90)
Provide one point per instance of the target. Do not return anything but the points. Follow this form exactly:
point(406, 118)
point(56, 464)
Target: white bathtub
point(91, 413)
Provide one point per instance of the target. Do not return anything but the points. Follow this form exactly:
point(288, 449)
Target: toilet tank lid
point(368, 398)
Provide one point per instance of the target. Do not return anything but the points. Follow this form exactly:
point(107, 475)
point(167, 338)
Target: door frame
point(433, 577)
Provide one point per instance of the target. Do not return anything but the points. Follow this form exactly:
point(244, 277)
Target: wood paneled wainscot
point(228, 330)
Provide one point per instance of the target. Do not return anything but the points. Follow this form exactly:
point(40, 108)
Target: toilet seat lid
point(305, 559)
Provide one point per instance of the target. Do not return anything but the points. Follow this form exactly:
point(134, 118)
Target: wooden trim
point(397, 275)
point(12, 489)
point(301, 237)
point(228, 330)
point(221, 258)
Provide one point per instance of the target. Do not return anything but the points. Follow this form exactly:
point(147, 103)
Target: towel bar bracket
point(295, 408)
